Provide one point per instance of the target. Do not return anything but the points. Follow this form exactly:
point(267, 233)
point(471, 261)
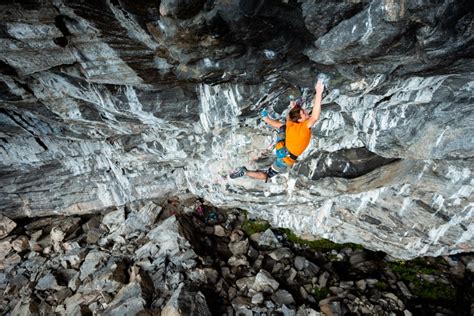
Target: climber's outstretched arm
point(319, 87)
point(273, 123)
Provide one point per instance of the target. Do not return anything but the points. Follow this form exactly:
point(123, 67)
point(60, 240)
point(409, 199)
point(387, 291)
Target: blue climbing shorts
point(279, 165)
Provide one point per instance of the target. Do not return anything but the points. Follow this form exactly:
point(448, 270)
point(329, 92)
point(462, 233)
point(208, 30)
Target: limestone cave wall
point(103, 103)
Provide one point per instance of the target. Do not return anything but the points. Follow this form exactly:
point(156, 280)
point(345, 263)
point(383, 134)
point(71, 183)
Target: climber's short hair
point(295, 113)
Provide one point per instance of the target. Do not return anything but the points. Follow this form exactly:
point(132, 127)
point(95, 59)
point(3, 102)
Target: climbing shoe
point(240, 172)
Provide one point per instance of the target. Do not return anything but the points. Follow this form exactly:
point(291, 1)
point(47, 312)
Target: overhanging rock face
point(107, 103)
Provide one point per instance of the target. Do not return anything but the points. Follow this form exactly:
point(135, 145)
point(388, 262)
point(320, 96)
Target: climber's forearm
point(319, 87)
point(273, 123)
point(317, 106)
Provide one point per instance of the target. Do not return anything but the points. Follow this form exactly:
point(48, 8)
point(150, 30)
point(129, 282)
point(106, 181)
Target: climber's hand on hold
point(269, 121)
point(319, 87)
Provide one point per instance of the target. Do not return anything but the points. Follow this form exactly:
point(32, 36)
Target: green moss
point(413, 271)
point(322, 245)
point(252, 226)
point(410, 271)
point(434, 292)
point(320, 293)
point(381, 285)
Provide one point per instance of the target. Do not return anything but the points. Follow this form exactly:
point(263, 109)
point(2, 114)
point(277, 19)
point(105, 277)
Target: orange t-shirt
point(297, 137)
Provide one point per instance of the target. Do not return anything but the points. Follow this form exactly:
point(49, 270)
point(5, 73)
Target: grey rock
point(268, 240)
point(6, 226)
point(73, 258)
point(5, 247)
point(237, 235)
point(91, 263)
point(291, 276)
point(47, 282)
point(311, 269)
point(336, 290)
point(20, 244)
point(232, 293)
point(286, 311)
point(239, 247)
point(283, 297)
point(323, 279)
point(264, 282)
point(277, 268)
point(74, 282)
point(306, 311)
point(114, 219)
point(269, 304)
point(299, 263)
point(10, 262)
point(372, 282)
point(219, 231)
point(252, 253)
point(27, 308)
point(128, 301)
point(242, 310)
point(357, 257)
point(239, 260)
point(346, 284)
point(330, 308)
point(257, 299)
point(304, 293)
point(456, 267)
point(404, 289)
point(245, 283)
point(361, 284)
point(470, 265)
point(203, 276)
point(281, 253)
point(94, 235)
point(184, 300)
point(257, 265)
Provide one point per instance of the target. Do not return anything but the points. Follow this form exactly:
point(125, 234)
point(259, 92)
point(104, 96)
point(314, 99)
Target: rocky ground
point(182, 256)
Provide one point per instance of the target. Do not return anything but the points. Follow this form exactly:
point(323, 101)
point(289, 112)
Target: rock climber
point(292, 139)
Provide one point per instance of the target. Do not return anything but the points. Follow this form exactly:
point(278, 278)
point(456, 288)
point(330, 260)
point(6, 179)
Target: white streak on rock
point(464, 216)
point(133, 29)
point(365, 38)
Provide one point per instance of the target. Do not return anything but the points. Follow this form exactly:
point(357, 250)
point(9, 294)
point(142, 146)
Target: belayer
point(292, 139)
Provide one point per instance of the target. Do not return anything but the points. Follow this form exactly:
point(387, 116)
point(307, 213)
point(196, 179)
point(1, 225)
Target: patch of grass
point(382, 286)
point(321, 245)
point(409, 271)
point(320, 293)
point(435, 292)
point(412, 271)
point(252, 226)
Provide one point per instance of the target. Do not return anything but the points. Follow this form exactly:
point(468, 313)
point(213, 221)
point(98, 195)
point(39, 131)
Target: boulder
point(5, 247)
point(329, 307)
point(264, 282)
point(257, 299)
point(268, 240)
point(128, 301)
point(20, 244)
point(357, 257)
point(283, 297)
point(91, 262)
point(6, 226)
point(299, 263)
point(47, 282)
point(219, 231)
point(281, 253)
point(239, 247)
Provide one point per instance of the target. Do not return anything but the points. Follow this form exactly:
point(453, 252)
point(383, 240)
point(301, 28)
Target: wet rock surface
point(176, 265)
point(106, 103)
